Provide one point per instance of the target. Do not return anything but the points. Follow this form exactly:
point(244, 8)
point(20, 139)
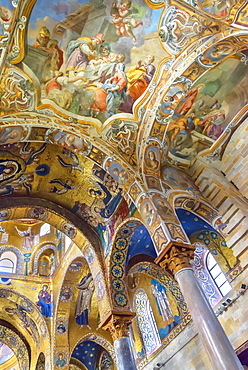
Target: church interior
point(135, 257)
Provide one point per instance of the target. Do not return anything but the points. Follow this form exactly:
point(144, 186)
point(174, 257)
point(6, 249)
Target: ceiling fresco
point(104, 108)
point(93, 59)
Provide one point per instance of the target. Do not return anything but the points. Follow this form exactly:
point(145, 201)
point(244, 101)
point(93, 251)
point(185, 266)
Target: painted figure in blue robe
point(45, 302)
point(61, 327)
point(83, 305)
point(110, 202)
point(61, 361)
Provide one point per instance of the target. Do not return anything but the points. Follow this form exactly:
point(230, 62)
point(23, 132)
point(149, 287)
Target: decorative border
point(117, 263)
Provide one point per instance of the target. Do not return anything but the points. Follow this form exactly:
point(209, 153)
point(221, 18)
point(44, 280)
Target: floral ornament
point(117, 271)
point(118, 257)
point(20, 353)
point(126, 232)
point(121, 243)
point(12, 340)
point(118, 285)
point(121, 299)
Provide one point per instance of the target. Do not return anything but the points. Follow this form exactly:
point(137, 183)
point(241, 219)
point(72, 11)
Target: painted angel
point(125, 18)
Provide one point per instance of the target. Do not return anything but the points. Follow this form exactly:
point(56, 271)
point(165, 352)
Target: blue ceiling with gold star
point(192, 223)
point(88, 353)
point(140, 243)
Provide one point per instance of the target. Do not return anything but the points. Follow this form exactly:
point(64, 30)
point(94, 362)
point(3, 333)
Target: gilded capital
point(177, 257)
point(118, 324)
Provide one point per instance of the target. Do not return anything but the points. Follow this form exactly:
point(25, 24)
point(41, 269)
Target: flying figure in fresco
point(124, 17)
point(5, 19)
point(67, 185)
point(219, 8)
point(75, 166)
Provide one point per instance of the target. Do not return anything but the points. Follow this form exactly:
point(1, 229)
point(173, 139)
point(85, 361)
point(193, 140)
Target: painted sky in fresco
point(58, 10)
point(7, 3)
point(49, 13)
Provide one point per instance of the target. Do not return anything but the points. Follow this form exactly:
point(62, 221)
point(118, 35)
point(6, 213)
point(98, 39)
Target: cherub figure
point(122, 19)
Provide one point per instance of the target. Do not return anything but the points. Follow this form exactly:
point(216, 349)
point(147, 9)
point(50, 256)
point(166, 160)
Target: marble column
point(118, 324)
point(221, 354)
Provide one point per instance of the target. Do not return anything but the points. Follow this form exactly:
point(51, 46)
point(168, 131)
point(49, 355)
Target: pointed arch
point(117, 261)
point(99, 339)
point(38, 254)
point(17, 343)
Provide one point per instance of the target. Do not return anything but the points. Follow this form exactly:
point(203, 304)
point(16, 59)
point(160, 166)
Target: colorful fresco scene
point(123, 184)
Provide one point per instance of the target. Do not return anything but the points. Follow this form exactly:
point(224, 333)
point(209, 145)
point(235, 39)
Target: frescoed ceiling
point(134, 86)
point(104, 106)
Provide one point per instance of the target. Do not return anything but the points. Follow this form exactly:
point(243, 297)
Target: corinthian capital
point(118, 323)
point(176, 257)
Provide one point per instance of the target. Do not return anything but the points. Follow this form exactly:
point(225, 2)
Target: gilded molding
point(118, 324)
point(177, 257)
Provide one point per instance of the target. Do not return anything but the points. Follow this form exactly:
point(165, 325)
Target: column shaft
point(124, 354)
point(213, 337)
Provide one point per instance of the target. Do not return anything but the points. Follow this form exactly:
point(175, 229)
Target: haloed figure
point(84, 300)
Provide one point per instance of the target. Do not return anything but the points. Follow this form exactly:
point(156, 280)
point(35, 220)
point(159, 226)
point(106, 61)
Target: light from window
point(67, 242)
point(8, 262)
point(45, 229)
point(5, 238)
point(217, 275)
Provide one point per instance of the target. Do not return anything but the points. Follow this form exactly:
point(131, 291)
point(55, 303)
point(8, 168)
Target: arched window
point(5, 238)
point(8, 263)
point(217, 275)
point(146, 322)
point(45, 229)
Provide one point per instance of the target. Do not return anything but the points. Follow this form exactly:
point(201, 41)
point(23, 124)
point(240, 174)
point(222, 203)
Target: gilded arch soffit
point(23, 314)
point(59, 217)
point(17, 345)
